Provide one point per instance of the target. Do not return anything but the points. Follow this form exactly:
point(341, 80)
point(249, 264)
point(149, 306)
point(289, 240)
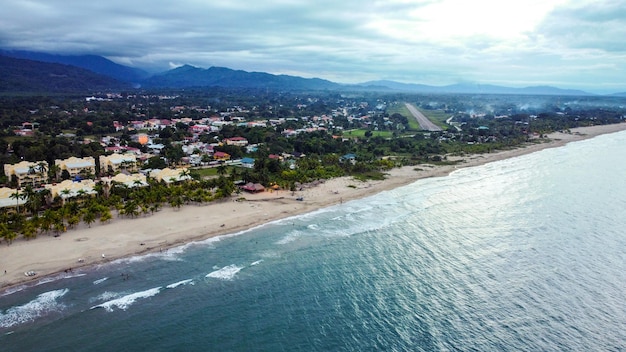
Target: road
point(424, 122)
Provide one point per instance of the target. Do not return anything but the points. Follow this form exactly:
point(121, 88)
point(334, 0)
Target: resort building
point(70, 189)
point(116, 163)
point(168, 175)
point(76, 166)
point(130, 181)
point(27, 172)
point(8, 200)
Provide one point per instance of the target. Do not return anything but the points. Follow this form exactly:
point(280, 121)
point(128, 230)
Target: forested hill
point(94, 63)
point(20, 75)
point(190, 76)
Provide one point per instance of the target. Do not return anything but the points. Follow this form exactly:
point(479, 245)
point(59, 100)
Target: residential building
point(70, 189)
point(27, 172)
point(76, 166)
point(130, 181)
point(168, 175)
point(115, 163)
point(221, 156)
point(247, 162)
point(6, 200)
point(238, 141)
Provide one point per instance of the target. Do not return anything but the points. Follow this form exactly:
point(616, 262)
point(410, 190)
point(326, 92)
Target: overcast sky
point(564, 43)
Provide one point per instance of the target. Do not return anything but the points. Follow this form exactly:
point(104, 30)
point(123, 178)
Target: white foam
point(287, 239)
point(13, 290)
point(99, 281)
point(105, 296)
point(257, 262)
point(225, 273)
point(60, 276)
point(126, 301)
point(179, 283)
point(290, 237)
point(44, 303)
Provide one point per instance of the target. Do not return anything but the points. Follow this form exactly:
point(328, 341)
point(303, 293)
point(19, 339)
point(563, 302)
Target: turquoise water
point(525, 254)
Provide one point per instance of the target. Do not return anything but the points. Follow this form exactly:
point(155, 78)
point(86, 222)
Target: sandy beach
point(122, 237)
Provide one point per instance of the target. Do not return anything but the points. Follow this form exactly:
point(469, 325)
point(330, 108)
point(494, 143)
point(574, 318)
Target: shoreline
point(85, 247)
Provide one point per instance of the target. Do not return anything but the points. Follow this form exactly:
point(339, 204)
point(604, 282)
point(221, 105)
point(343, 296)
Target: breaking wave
point(42, 305)
point(126, 301)
point(225, 273)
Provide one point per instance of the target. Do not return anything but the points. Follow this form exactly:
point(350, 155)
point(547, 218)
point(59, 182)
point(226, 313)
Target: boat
point(30, 273)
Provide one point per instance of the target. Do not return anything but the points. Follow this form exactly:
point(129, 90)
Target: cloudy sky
point(564, 43)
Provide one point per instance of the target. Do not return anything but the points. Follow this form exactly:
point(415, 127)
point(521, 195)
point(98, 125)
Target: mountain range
point(94, 63)
point(28, 76)
point(26, 71)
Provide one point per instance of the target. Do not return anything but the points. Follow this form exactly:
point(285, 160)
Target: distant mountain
point(190, 76)
point(622, 94)
point(97, 64)
point(471, 89)
point(21, 75)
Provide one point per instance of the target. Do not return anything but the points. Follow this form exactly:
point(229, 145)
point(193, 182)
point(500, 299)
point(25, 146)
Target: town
point(74, 159)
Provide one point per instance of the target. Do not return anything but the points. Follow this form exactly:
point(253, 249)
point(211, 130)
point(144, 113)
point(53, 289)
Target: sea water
point(524, 254)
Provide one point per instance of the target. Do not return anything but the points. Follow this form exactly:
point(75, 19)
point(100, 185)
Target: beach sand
point(122, 237)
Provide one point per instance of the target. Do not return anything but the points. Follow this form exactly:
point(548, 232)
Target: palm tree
point(29, 230)
point(106, 216)
point(234, 173)
point(73, 220)
point(54, 171)
point(185, 174)
point(130, 208)
point(46, 221)
point(66, 192)
point(42, 169)
point(89, 216)
point(32, 199)
point(45, 195)
point(6, 233)
point(17, 196)
point(80, 194)
point(59, 227)
point(176, 202)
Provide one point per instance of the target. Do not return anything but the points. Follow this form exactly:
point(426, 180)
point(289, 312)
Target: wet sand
point(85, 246)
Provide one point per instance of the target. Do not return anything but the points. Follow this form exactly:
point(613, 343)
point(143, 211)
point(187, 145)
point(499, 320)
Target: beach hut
point(253, 187)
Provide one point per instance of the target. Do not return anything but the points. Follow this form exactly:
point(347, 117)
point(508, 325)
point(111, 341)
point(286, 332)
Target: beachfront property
point(8, 198)
point(168, 175)
point(70, 189)
point(27, 172)
point(253, 187)
point(116, 163)
point(130, 181)
point(76, 166)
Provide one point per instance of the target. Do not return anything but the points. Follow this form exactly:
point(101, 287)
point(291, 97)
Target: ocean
point(524, 254)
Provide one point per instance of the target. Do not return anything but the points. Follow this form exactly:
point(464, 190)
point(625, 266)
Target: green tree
point(89, 216)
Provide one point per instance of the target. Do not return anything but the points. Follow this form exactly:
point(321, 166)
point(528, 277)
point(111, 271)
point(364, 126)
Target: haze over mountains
point(25, 71)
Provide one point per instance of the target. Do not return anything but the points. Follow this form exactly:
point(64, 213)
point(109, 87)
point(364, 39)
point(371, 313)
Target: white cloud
point(564, 42)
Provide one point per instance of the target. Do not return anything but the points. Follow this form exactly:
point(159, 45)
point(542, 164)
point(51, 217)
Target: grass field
point(360, 133)
point(400, 108)
point(439, 117)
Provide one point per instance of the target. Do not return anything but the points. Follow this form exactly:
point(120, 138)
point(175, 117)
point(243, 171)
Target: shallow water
point(524, 254)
